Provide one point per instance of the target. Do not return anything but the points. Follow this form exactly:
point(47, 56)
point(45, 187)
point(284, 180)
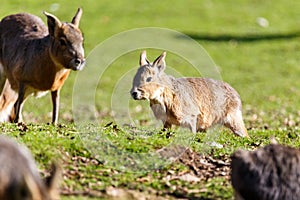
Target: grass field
point(118, 155)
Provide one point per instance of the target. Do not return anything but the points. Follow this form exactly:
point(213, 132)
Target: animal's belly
point(36, 93)
point(39, 94)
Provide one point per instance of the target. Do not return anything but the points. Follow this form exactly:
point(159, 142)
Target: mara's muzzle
point(77, 64)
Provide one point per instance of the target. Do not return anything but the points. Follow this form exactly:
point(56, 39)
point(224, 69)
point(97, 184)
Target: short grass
point(262, 63)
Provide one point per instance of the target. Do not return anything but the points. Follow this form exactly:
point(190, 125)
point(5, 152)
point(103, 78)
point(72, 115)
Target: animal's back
point(23, 26)
point(210, 89)
point(17, 32)
point(269, 173)
point(214, 98)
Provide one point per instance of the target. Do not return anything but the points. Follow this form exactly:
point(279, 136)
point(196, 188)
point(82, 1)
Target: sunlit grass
point(262, 63)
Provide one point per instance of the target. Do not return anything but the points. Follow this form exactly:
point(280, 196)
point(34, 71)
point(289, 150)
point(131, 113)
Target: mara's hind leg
point(18, 106)
point(234, 121)
point(23, 93)
point(7, 100)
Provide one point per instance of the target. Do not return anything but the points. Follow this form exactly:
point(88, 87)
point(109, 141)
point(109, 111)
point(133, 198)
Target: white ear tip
point(144, 52)
point(163, 55)
point(143, 58)
point(46, 13)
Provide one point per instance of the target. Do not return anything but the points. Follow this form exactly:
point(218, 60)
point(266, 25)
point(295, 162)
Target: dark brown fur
point(268, 173)
point(36, 58)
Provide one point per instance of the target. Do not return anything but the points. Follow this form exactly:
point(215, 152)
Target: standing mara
point(195, 103)
point(35, 58)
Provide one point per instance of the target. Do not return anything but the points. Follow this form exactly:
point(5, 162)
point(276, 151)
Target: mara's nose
point(77, 61)
point(134, 95)
point(77, 64)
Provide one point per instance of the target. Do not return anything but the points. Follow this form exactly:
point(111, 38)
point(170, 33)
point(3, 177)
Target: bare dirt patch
point(177, 184)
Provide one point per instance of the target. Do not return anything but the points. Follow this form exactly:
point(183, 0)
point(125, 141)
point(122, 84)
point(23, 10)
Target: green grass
point(261, 63)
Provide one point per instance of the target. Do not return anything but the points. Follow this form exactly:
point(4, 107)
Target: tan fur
point(36, 58)
point(19, 177)
point(195, 103)
point(268, 173)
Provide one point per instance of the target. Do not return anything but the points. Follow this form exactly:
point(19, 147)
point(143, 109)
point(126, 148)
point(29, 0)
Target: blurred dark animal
point(19, 176)
point(268, 173)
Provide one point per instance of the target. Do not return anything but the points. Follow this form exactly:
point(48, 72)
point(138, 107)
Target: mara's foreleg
point(193, 124)
point(7, 100)
point(55, 102)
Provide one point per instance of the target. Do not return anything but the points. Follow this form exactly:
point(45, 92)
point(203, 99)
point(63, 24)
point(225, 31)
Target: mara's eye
point(149, 79)
point(62, 41)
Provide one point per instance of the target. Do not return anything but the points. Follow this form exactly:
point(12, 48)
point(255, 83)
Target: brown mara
point(35, 58)
point(195, 103)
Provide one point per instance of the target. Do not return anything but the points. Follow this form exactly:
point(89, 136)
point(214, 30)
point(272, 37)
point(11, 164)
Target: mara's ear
point(53, 23)
point(160, 62)
point(143, 59)
point(77, 17)
point(52, 182)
